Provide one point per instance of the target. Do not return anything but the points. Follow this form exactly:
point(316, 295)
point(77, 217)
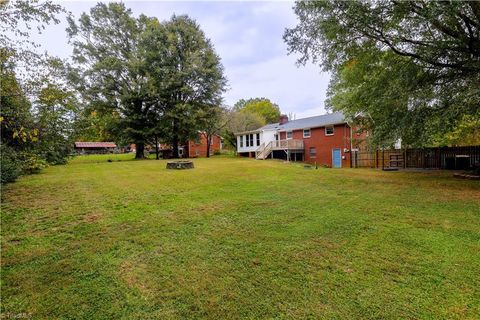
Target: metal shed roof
point(95, 145)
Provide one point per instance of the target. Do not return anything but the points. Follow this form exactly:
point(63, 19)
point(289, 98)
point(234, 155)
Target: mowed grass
point(238, 238)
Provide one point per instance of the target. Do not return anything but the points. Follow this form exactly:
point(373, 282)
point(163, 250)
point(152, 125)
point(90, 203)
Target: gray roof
point(304, 123)
point(270, 126)
point(314, 122)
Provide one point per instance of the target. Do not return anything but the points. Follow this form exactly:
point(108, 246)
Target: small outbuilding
point(95, 147)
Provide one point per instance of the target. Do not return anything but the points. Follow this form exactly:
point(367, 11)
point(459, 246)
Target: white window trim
point(330, 134)
point(286, 135)
point(310, 133)
point(310, 153)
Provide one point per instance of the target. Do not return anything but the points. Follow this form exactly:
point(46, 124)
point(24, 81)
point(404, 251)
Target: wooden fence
point(426, 158)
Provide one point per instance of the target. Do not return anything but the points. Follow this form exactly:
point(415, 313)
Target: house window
point(329, 131)
point(258, 139)
point(306, 133)
point(251, 140)
point(289, 134)
point(197, 152)
point(313, 152)
point(241, 141)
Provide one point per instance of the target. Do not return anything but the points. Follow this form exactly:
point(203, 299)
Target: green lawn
point(238, 238)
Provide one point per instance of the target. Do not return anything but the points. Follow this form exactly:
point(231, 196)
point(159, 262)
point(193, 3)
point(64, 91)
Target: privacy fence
point(458, 158)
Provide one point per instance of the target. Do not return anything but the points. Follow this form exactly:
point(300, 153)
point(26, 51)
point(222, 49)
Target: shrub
point(11, 166)
point(31, 163)
point(217, 153)
point(57, 155)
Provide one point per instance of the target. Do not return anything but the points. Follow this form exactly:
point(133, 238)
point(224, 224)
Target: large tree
point(261, 106)
point(183, 64)
point(110, 67)
point(18, 21)
point(410, 69)
point(240, 121)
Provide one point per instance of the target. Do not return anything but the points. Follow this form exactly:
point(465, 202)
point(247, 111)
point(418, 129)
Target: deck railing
point(266, 148)
point(288, 144)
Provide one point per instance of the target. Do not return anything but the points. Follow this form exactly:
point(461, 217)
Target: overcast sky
point(248, 38)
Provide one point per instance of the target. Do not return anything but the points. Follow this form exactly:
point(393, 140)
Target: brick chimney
point(283, 119)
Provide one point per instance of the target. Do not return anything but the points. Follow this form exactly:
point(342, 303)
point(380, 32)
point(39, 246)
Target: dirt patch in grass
point(134, 275)
point(92, 217)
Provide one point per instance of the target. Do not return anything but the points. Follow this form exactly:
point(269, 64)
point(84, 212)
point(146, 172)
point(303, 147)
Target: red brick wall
point(201, 146)
point(324, 144)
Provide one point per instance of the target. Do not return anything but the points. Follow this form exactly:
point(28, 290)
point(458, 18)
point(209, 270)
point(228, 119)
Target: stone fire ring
point(180, 164)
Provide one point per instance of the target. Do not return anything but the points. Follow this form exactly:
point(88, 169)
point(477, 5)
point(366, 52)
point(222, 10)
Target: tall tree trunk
point(156, 147)
point(140, 148)
point(175, 140)
point(208, 145)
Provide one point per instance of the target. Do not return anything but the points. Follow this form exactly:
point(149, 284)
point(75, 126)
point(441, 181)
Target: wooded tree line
point(405, 70)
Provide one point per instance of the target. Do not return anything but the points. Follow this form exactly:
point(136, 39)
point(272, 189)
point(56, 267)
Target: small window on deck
point(241, 141)
point(289, 134)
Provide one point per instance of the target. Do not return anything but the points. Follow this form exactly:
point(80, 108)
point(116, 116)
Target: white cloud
point(248, 38)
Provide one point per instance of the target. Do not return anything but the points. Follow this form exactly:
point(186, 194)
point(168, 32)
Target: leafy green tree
point(183, 65)
point(214, 121)
point(56, 108)
point(466, 133)
point(109, 68)
point(240, 121)
point(19, 134)
point(261, 106)
point(17, 20)
point(25, 78)
point(91, 125)
point(410, 69)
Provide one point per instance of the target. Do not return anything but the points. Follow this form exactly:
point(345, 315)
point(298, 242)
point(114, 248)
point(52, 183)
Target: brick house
point(189, 149)
point(324, 140)
point(194, 149)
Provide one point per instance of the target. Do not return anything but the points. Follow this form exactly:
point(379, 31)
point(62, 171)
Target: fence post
point(383, 159)
point(376, 158)
point(405, 158)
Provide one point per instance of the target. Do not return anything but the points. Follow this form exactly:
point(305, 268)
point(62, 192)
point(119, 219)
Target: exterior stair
point(263, 151)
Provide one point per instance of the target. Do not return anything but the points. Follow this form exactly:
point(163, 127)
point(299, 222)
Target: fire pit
point(180, 164)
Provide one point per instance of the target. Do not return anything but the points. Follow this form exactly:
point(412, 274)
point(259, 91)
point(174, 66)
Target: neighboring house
point(325, 140)
point(193, 149)
point(95, 147)
point(189, 149)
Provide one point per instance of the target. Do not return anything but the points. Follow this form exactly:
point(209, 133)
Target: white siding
point(265, 136)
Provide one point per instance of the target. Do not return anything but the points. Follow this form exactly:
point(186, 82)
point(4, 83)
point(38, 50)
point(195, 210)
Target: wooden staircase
point(263, 151)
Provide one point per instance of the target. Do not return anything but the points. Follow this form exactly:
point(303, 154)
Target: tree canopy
point(157, 76)
point(263, 107)
point(188, 74)
point(410, 69)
